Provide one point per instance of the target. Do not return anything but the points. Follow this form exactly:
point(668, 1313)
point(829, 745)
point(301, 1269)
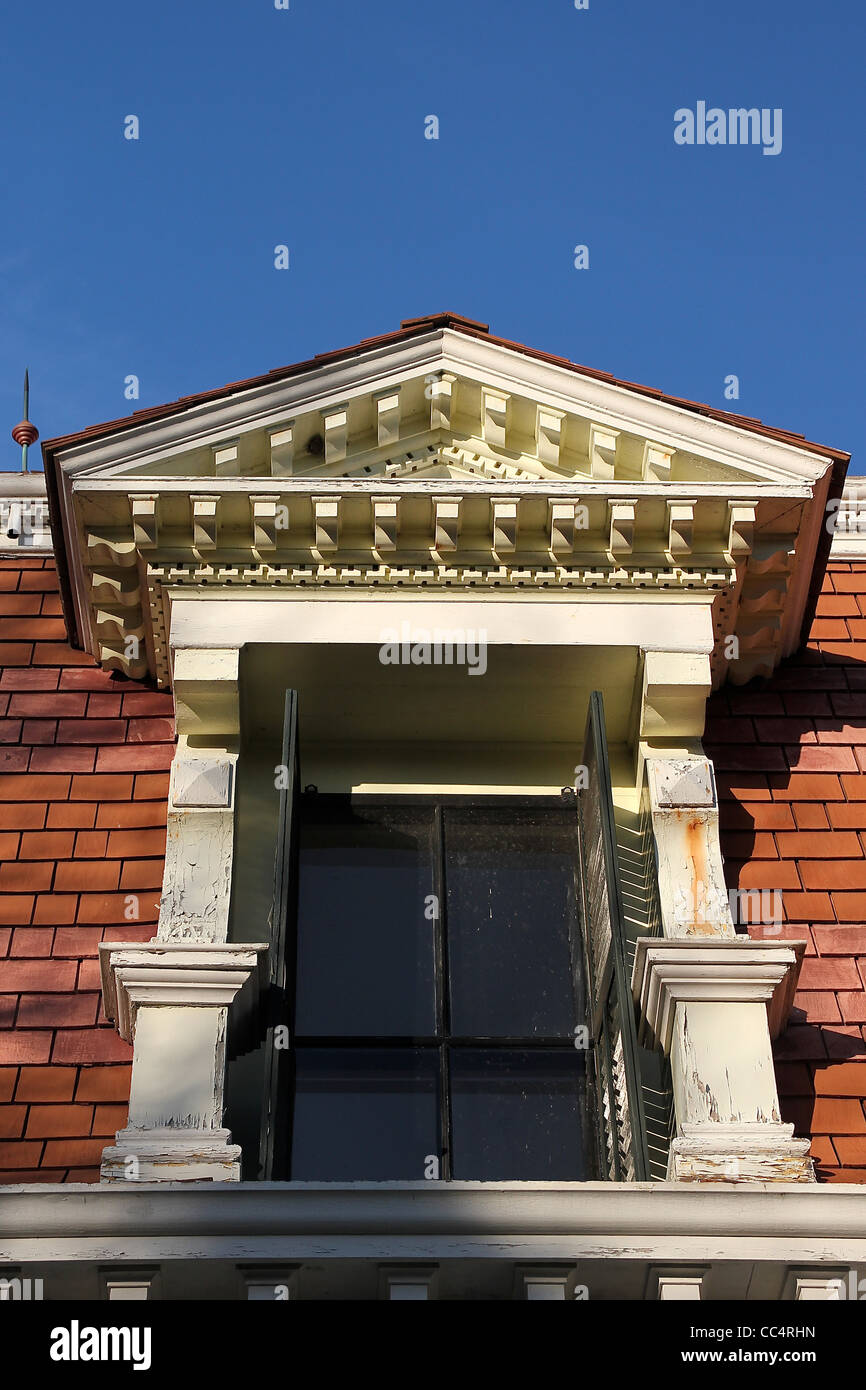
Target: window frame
point(442, 1041)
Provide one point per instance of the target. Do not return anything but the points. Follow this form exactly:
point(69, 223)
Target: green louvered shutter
point(613, 1035)
point(279, 1060)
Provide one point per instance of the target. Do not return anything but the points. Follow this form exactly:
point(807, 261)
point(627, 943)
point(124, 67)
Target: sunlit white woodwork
point(264, 521)
point(145, 528)
point(504, 525)
point(204, 521)
point(336, 430)
point(495, 408)
point(327, 523)
point(549, 432)
point(387, 418)
point(226, 459)
point(622, 522)
point(281, 443)
point(602, 451)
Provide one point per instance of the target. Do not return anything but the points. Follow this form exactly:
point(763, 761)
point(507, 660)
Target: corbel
point(446, 511)
point(622, 518)
point(204, 521)
point(385, 523)
point(741, 529)
point(111, 547)
point(442, 394)
point(561, 517)
point(387, 405)
point(495, 410)
point(145, 522)
point(282, 449)
point(263, 508)
point(602, 451)
point(656, 462)
point(326, 511)
point(549, 434)
point(336, 431)
point(503, 512)
point(226, 459)
point(681, 527)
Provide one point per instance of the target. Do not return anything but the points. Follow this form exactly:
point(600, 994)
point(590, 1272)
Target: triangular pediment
point(440, 456)
point(444, 404)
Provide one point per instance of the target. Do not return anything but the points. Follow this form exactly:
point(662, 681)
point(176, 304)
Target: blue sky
point(305, 127)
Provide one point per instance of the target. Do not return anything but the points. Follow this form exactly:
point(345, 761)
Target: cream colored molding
point(385, 524)
point(675, 687)
point(281, 448)
point(336, 429)
point(819, 1285)
point(206, 692)
point(226, 459)
point(495, 415)
point(442, 393)
point(602, 451)
point(656, 462)
point(204, 520)
point(264, 521)
point(549, 434)
point(639, 532)
point(446, 524)
point(387, 418)
point(741, 529)
point(171, 1000)
point(562, 523)
point(691, 993)
point(622, 521)
point(503, 514)
point(675, 1283)
point(145, 523)
point(327, 515)
point(681, 527)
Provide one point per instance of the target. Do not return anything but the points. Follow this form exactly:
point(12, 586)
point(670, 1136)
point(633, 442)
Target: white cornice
point(785, 1222)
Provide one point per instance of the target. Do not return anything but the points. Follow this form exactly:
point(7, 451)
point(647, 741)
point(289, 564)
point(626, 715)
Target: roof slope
point(412, 328)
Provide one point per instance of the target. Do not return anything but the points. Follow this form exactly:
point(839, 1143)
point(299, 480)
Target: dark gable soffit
point(409, 328)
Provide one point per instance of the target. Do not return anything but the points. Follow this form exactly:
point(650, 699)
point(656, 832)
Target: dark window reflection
point(511, 906)
point(364, 1114)
point(365, 948)
point(398, 1007)
point(517, 1115)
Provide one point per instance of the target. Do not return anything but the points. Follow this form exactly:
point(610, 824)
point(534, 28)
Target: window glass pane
point(518, 1115)
point(511, 915)
point(364, 1114)
point(365, 947)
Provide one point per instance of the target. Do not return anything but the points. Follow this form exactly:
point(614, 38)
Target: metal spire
point(24, 432)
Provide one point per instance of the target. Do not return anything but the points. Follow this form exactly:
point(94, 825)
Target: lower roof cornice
point(620, 1221)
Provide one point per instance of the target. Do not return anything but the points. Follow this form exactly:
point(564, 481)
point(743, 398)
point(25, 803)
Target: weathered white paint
point(711, 1004)
point(172, 1001)
point(685, 819)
